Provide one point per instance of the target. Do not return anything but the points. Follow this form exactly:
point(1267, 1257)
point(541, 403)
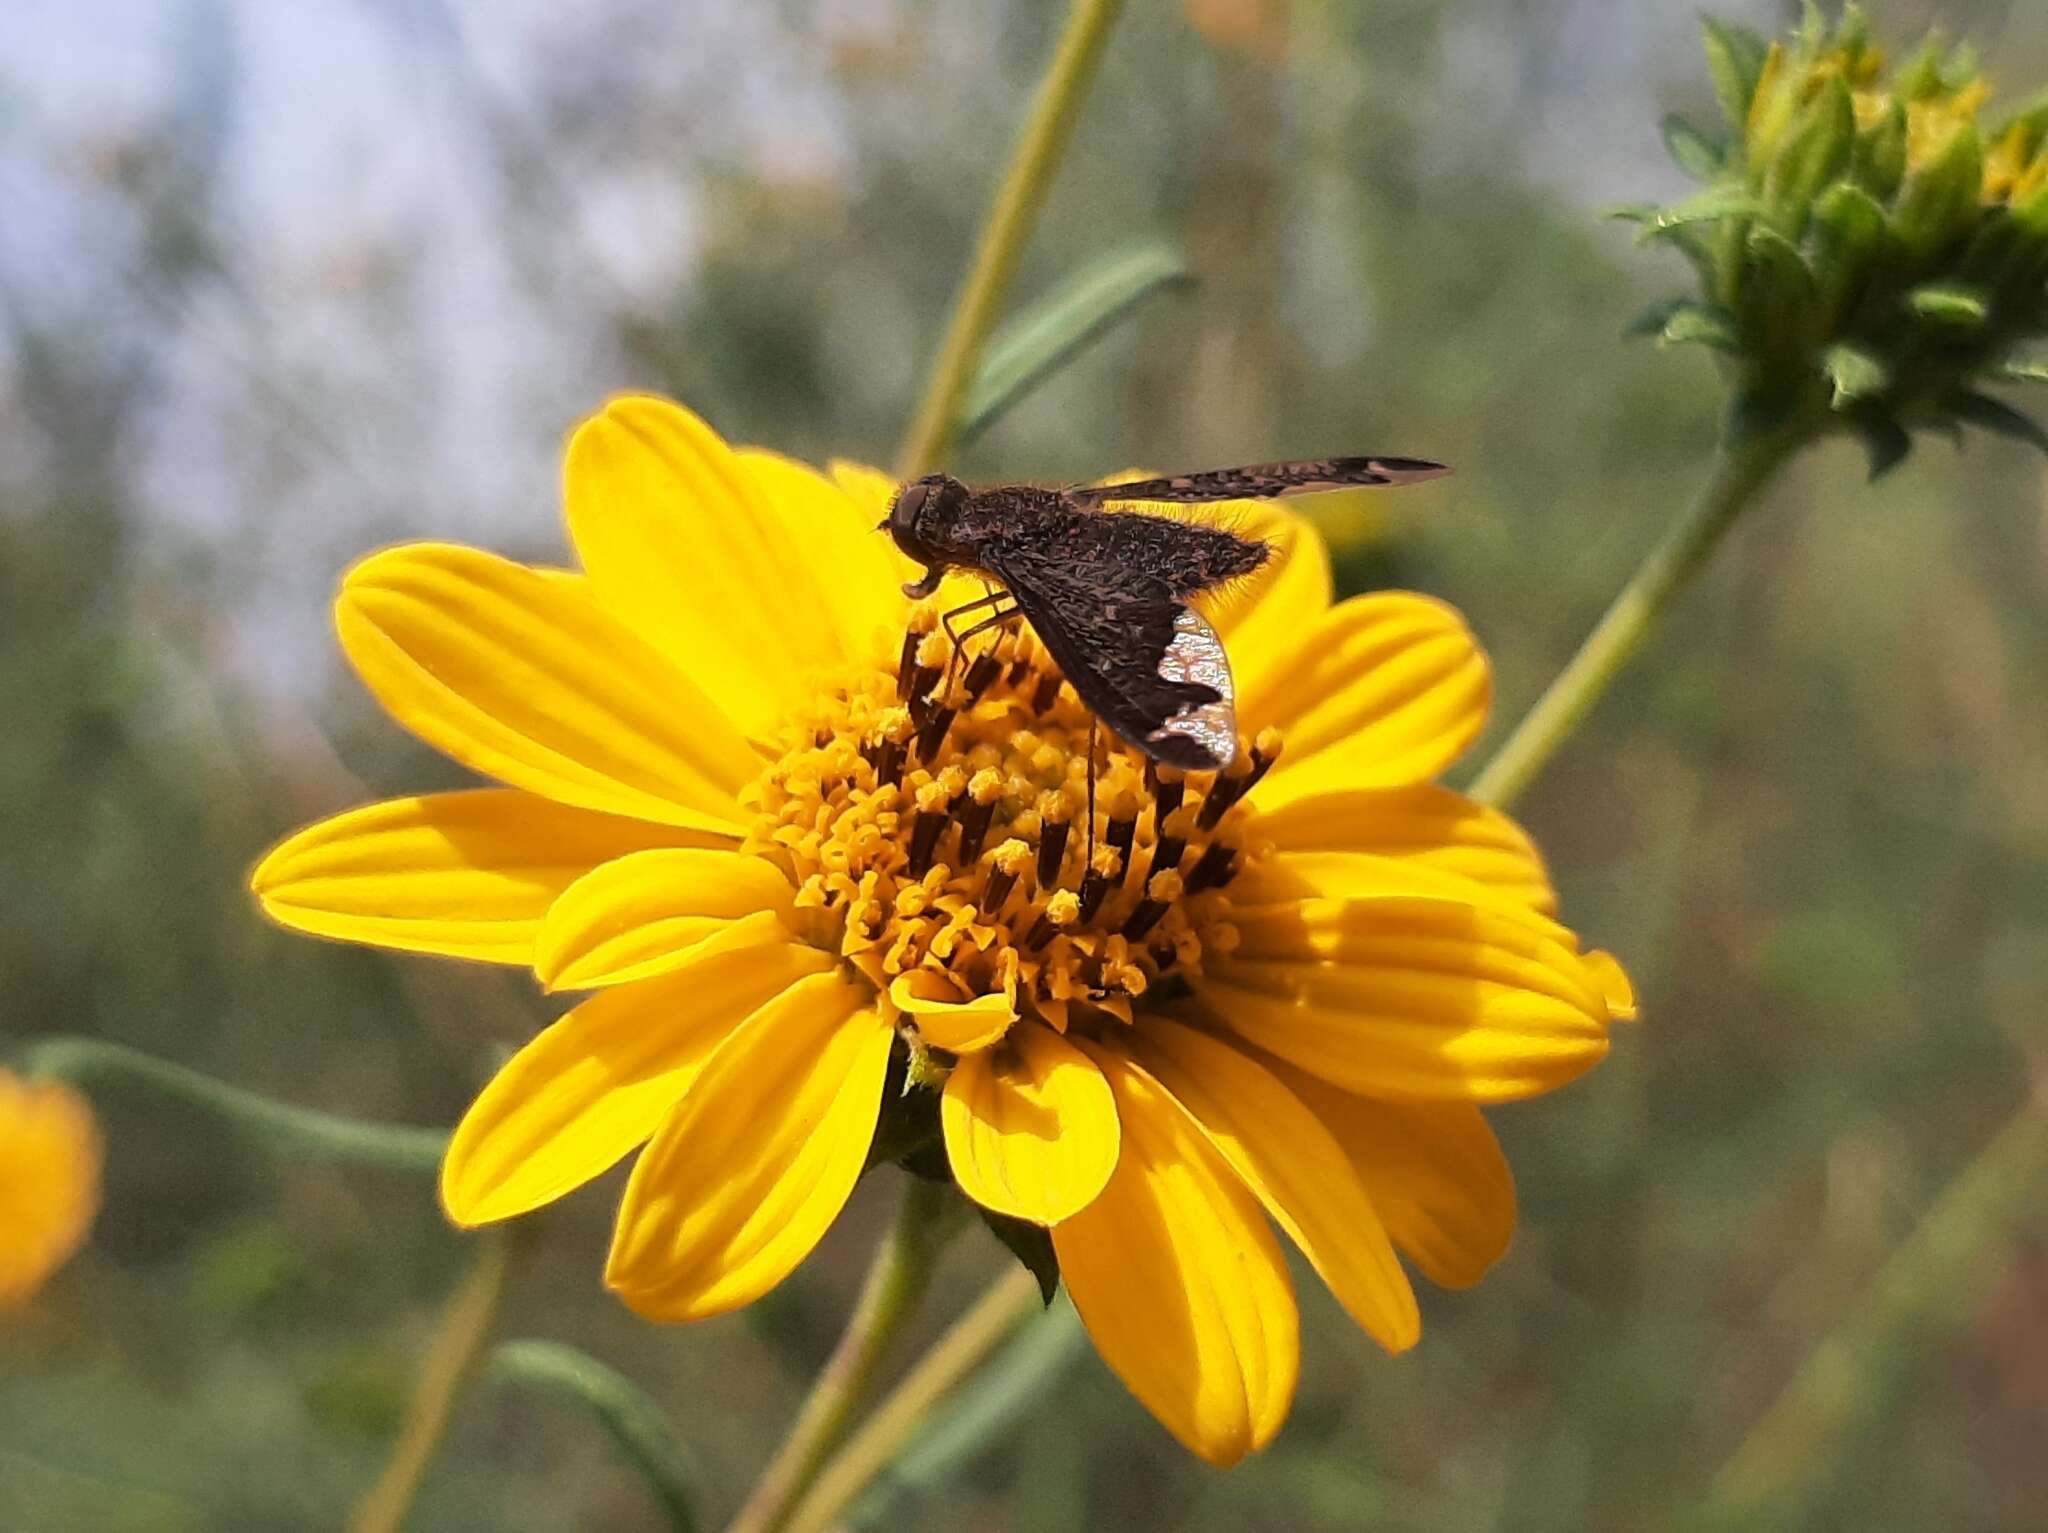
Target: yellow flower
point(49, 1182)
point(811, 896)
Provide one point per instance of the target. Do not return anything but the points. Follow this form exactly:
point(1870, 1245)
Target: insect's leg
point(946, 617)
point(994, 620)
point(1088, 862)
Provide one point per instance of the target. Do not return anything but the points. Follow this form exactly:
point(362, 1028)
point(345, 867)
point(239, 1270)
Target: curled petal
point(1181, 1284)
point(524, 679)
point(644, 914)
point(944, 1020)
point(753, 1167)
point(599, 1081)
point(1030, 1127)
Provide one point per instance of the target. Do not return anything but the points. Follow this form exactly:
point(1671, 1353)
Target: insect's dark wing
point(1145, 662)
point(1266, 481)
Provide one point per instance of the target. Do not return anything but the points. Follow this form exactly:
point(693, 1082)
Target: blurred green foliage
point(1815, 820)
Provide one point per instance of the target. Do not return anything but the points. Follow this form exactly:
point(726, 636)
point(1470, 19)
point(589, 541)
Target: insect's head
point(918, 520)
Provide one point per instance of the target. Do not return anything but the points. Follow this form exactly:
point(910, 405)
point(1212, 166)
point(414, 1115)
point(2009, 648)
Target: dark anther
point(1048, 692)
point(1261, 765)
point(1163, 954)
point(922, 679)
point(1223, 792)
point(1041, 931)
point(1166, 855)
point(1143, 919)
point(888, 761)
point(933, 731)
point(974, 821)
point(1121, 833)
point(1165, 799)
point(995, 891)
point(1052, 847)
point(906, 667)
point(1094, 890)
point(1213, 868)
point(1019, 669)
point(981, 676)
point(1151, 778)
point(924, 840)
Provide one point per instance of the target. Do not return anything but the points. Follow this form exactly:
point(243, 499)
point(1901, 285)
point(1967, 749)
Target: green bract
point(1869, 253)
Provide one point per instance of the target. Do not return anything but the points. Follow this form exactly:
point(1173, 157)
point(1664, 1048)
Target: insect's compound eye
point(909, 502)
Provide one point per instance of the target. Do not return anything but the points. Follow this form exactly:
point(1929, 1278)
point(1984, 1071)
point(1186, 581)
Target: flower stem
point(1007, 1303)
point(1925, 1286)
point(276, 1125)
point(896, 1281)
point(1740, 472)
point(1048, 128)
point(452, 1360)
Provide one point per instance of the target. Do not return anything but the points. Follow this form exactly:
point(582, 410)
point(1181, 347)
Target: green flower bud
point(1870, 251)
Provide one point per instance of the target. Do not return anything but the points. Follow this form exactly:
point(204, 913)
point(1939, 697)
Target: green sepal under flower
point(1870, 255)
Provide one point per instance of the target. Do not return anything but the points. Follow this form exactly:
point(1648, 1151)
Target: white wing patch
point(1196, 655)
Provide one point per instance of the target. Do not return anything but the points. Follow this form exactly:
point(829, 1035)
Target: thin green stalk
point(1929, 1284)
point(1008, 1303)
point(1041, 144)
point(1740, 473)
point(276, 1125)
point(452, 1360)
point(897, 1280)
point(634, 1423)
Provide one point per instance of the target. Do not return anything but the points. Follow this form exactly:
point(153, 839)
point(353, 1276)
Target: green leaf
point(1755, 411)
point(2031, 123)
point(1952, 303)
point(636, 1425)
point(1857, 374)
point(1939, 200)
point(1652, 320)
point(1735, 58)
point(1880, 157)
point(1697, 154)
point(1997, 417)
point(1711, 206)
point(1700, 324)
point(275, 1125)
point(1035, 344)
point(2018, 370)
point(1847, 232)
point(1816, 152)
point(1630, 212)
point(1885, 443)
point(1031, 1244)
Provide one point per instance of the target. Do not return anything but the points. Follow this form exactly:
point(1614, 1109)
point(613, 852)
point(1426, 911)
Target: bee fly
point(1107, 593)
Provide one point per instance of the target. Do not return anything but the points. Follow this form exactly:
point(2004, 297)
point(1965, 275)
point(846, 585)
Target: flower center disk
point(934, 819)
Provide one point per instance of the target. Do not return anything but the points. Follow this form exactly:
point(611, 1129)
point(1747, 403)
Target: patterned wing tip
point(1269, 481)
point(1202, 736)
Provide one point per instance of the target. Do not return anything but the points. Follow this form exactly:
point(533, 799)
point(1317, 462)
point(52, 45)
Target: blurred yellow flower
point(811, 895)
point(49, 1182)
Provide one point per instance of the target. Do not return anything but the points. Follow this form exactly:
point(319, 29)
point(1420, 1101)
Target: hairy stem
point(1041, 144)
point(1740, 473)
point(273, 1124)
point(896, 1281)
point(1926, 1286)
point(457, 1350)
point(1008, 1303)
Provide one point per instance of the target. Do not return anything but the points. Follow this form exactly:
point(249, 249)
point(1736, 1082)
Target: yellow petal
point(1382, 691)
point(1434, 1171)
point(753, 1167)
point(1413, 999)
point(50, 1161)
point(683, 545)
point(599, 1081)
point(864, 571)
point(872, 492)
point(1419, 826)
point(1180, 1282)
point(467, 875)
point(1614, 983)
point(1030, 1127)
point(944, 1020)
point(1289, 1159)
point(644, 914)
point(524, 679)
